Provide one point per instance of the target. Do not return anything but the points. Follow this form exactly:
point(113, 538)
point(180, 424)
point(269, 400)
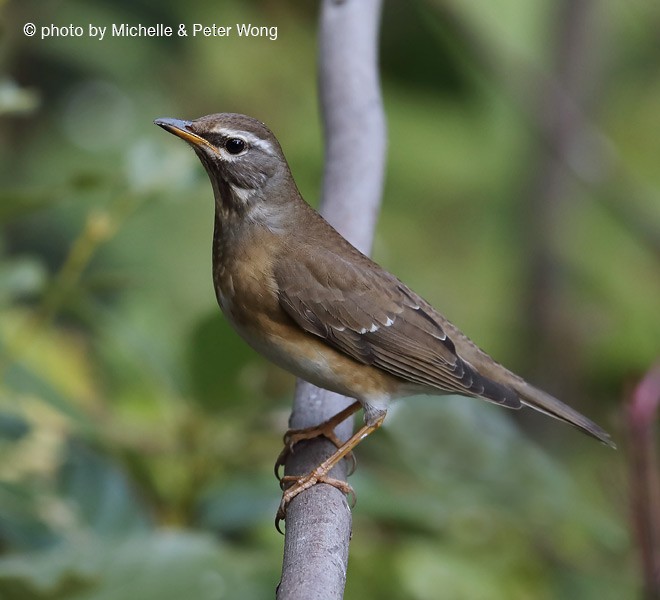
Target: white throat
point(258, 210)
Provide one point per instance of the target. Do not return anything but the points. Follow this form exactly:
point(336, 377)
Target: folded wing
point(368, 314)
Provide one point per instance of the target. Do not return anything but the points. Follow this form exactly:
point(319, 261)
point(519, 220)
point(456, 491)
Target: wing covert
point(368, 314)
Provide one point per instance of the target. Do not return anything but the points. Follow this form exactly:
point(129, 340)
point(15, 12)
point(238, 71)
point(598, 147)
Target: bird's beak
point(182, 129)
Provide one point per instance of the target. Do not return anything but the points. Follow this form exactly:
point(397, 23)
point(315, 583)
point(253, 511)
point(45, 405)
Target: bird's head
point(243, 159)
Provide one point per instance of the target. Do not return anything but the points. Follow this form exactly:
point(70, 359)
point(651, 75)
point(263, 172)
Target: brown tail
point(545, 403)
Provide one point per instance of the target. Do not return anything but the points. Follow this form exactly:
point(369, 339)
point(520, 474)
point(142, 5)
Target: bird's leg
point(300, 483)
point(325, 429)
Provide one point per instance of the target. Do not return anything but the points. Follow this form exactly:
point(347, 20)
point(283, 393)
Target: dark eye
point(235, 145)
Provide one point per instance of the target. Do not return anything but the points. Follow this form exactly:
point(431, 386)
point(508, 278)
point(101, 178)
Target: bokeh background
point(138, 433)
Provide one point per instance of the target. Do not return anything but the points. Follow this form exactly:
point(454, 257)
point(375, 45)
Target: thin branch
point(641, 416)
point(318, 523)
point(546, 204)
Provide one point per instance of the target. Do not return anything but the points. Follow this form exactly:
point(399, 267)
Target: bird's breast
point(243, 277)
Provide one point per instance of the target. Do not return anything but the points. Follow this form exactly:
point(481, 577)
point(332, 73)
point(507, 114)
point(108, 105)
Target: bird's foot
point(293, 436)
point(325, 429)
point(295, 484)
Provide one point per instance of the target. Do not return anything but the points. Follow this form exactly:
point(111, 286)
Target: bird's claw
point(293, 436)
point(294, 485)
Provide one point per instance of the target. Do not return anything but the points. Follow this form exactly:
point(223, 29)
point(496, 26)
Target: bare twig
point(318, 523)
point(546, 207)
point(641, 415)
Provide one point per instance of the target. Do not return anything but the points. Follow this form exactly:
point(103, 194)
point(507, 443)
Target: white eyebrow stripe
point(250, 138)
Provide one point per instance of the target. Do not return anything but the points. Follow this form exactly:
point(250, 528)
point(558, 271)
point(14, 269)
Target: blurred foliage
point(137, 432)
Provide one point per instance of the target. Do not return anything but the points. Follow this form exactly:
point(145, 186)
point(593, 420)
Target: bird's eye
point(235, 145)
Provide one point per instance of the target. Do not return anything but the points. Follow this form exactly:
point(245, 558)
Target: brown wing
point(365, 312)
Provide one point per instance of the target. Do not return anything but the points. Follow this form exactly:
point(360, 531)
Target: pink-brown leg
point(325, 429)
point(319, 474)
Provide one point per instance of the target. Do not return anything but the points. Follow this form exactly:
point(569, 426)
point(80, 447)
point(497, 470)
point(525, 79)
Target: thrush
point(300, 294)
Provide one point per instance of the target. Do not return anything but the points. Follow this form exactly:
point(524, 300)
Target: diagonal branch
point(318, 523)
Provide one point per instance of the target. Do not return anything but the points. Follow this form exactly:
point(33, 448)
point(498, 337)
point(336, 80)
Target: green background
point(138, 433)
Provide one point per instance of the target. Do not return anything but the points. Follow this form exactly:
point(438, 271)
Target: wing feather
point(368, 314)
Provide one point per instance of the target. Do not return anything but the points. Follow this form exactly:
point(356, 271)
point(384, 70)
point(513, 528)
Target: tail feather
point(549, 405)
point(530, 396)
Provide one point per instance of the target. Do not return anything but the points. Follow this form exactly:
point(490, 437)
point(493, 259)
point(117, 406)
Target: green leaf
point(215, 362)
point(23, 276)
point(104, 498)
point(168, 565)
point(23, 380)
point(13, 427)
point(235, 505)
point(21, 527)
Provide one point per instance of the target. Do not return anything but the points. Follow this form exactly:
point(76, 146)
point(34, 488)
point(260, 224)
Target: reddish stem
point(641, 412)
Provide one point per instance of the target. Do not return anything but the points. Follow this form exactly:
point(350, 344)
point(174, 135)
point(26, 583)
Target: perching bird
point(301, 295)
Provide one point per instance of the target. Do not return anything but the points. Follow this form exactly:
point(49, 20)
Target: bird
point(301, 295)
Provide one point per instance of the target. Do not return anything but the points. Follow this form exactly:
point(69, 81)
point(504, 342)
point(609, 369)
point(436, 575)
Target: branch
point(547, 201)
point(641, 414)
point(318, 523)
